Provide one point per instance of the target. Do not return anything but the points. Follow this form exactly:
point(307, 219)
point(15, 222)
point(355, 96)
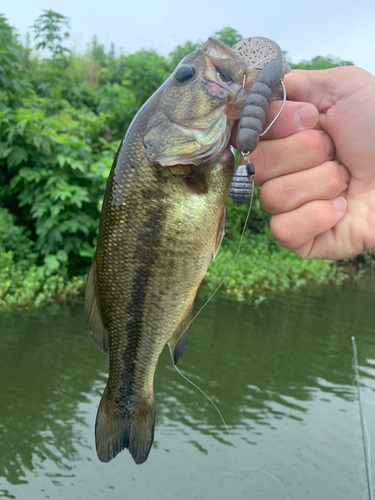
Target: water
point(280, 373)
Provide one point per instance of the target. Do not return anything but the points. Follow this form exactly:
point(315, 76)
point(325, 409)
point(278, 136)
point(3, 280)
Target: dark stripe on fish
point(144, 257)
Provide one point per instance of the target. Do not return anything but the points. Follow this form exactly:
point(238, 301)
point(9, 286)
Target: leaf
point(37, 139)
point(17, 156)
point(51, 262)
point(62, 256)
point(4, 151)
point(61, 160)
point(87, 250)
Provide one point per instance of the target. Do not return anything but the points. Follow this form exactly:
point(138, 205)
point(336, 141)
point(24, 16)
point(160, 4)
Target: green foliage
point(263, 269)
point(177, 54)
point(48, 28)
point(25, 284)
point(54, 172)
point(229, 36)
point(14, 238)
point(12, 86)
point(22, 281)
point(320, 62)
point(62, 118)
point(144, 72)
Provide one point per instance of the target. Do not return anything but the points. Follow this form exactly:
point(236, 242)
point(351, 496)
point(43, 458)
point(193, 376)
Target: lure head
point(266, 56)
point(258, 51)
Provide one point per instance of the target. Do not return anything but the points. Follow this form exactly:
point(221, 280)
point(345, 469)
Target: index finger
point(295, 117)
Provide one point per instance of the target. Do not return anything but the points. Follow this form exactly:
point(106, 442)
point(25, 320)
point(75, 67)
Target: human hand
point(316, 166)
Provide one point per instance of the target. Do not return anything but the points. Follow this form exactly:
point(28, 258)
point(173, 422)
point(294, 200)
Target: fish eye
point(184, 72)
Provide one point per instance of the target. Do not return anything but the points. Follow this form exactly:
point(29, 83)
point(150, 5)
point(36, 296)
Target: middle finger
point(295, 153)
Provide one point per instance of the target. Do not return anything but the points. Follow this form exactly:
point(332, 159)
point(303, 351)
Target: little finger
point(296, 228)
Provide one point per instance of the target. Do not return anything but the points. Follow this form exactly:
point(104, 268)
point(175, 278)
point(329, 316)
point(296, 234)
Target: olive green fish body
point(162, 221)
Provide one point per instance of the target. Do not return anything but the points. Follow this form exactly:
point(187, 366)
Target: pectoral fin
point(220, 233)
point(94, 322)
point(179, 338)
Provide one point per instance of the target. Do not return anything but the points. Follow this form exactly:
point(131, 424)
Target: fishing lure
point(242, 184)
point(266, 56)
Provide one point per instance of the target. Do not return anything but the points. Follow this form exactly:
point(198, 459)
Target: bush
point(263, 269)
point(62, 118)
point(22, 281)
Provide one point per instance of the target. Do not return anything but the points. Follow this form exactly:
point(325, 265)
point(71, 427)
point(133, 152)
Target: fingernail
point(339, 204)
point(345, 175)
point(330, 145)
point(307, 116)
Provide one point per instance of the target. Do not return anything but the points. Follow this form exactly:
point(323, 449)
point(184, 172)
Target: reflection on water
point(280, 373)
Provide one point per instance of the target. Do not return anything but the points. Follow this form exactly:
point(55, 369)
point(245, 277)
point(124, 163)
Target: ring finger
point(288, 192)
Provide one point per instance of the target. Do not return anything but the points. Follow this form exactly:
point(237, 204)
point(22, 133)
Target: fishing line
point(278, 113)
point(364, 430)
point(197, 387)
point(231, 436)
point(230, 267)
point(244, 155)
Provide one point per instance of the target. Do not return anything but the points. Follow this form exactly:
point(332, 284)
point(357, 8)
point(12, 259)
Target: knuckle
point(275, 196)
point(319, 212)
point(282, 230)
point(331, 179)
point(264, 160)
point(314, 145)
point(304, 251)
point(323, 216)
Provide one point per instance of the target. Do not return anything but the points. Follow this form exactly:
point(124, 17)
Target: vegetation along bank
point(62, 116)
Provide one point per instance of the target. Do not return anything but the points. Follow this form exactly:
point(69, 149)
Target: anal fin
point(94, 322)
point(179, 338)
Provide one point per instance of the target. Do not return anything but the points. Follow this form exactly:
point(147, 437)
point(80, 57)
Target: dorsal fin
point(179, 338)
point(94, 322)
point(220, 233)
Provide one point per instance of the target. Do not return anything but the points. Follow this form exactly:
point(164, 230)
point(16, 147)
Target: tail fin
point(116, 429)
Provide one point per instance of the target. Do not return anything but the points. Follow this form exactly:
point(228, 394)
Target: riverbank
point(62, 118)
point(262, 270)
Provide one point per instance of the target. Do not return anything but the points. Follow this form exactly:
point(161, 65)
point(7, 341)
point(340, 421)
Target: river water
point(281, 374)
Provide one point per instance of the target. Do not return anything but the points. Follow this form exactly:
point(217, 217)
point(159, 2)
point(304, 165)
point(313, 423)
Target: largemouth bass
point(162, 221)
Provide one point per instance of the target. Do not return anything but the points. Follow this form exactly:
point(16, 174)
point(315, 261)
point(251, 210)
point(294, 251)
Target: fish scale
point(162, 220)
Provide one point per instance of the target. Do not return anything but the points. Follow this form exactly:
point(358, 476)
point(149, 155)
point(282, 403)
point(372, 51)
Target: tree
point(177, 54)
point(229, 36)
point(49, 29)
point(12, 85)
point(320, 62)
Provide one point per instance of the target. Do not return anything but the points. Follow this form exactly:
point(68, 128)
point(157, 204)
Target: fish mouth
point(216, 89)
point(216, 48)
point(226, 73)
